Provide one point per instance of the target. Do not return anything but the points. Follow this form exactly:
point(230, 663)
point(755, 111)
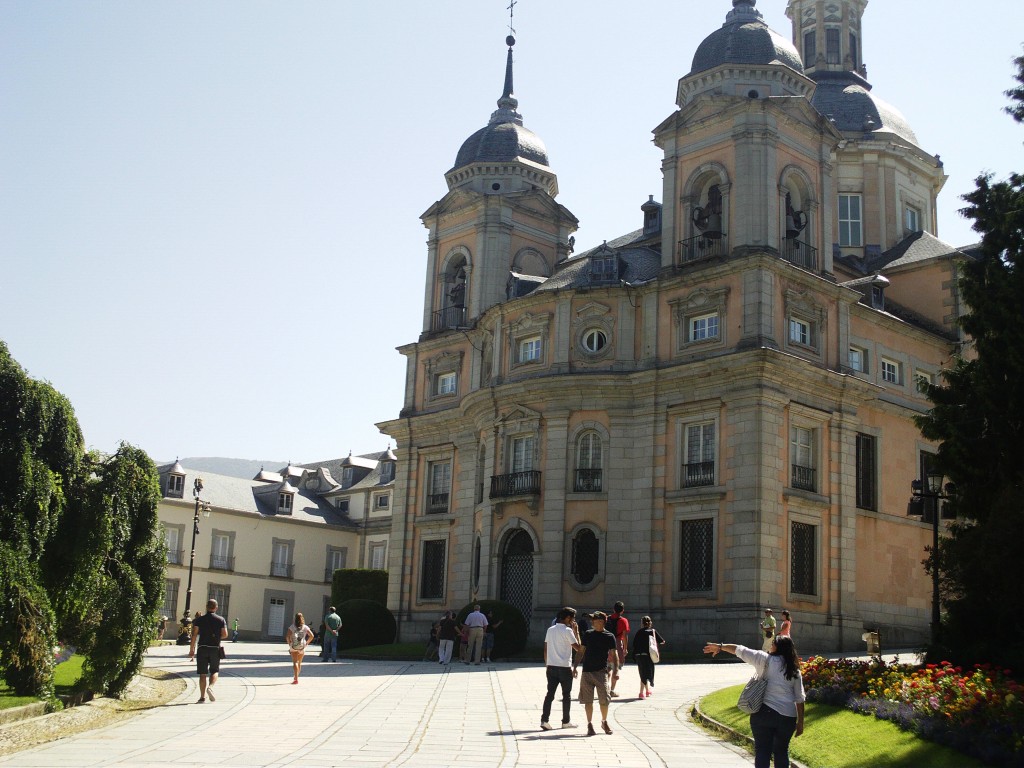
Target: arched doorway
point(517, 572)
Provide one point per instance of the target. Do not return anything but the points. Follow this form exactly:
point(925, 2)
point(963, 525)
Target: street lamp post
point(185, 626)
point(932, 488)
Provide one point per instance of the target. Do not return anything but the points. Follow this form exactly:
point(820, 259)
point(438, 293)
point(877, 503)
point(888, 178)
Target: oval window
point(594, 340)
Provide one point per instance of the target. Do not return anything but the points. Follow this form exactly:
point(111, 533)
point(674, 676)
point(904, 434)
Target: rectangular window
point(851, 221)
point(697, 551)
point(800, 331)
point(382, 501)
point(220, 553)
point(704, 327)
point(529, 350)
point(169, 607)
point(284, 503)
point(377, 551)
point(833, 54)
point(432, 570)
point(343, 505)
point(176, 486)
point(810, 48)
point(445, 384)
point(866, 469)
point(222, 594)
point(172, 537)
point(803, 573)
point(859, 359)
point(440, 487)
point(699, 469)
point(853, 52)
point(523, 449)
point(911, 219)
point(802, 452)
point(336, 557)
point(387, 471)
point(281, 564)
point(891, 372)
point(923, 378)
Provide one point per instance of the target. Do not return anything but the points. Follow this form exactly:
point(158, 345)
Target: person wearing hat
point(599, 653)
point(767, 630)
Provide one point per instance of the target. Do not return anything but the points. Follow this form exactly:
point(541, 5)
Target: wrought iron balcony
point(587, 481)
point(175, 556)
point(701, 247)
point(437, 503)
point(515, 484)
point(448, 318)
point(698, 474)
point(222, 563)
point(800, 254)
point(283, 570)
point(804, 478)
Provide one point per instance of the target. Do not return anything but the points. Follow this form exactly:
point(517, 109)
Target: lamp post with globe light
point(932, 488)
point(185, 626)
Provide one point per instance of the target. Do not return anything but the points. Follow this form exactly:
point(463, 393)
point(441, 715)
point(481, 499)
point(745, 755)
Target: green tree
point(40, 459)
point(977, 416)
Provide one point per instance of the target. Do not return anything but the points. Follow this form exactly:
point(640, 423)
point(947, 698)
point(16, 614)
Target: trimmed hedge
point(510, 637)
point(365, 622)
point(359, 584)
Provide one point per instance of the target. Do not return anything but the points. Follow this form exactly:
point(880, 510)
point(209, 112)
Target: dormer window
point(604, 268)
point(346, 477)
point(176, 486)
point(387, 471)
point(284, 503)
point(877, 297)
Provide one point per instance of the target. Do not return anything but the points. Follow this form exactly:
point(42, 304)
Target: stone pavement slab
point(384, 714)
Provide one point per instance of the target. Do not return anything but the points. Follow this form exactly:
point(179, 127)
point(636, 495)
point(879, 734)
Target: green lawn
point(837, 738)
point(65, 678)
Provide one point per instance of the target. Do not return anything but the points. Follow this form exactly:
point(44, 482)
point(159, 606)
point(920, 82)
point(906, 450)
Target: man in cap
point(599, 653)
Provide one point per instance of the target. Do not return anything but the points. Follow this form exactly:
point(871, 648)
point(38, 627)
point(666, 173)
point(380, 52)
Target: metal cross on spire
point(511, 13)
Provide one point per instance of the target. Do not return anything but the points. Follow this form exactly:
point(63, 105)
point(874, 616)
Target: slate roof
point(259, 499)
point(745, 39)
point(638, 264)
point(502, 143)
point(846, 98)
point(914, 248)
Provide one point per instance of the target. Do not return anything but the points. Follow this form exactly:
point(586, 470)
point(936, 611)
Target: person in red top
point(618, 625)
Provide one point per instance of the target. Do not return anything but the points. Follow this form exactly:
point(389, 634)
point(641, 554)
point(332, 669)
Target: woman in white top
point(782, 714)
point(299, 636)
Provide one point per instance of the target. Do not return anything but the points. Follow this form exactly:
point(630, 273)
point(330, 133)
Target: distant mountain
point(218, 465)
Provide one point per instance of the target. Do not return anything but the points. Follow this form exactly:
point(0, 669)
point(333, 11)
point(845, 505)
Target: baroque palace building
point(707, 416)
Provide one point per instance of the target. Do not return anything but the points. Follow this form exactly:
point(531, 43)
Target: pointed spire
point(507, 104)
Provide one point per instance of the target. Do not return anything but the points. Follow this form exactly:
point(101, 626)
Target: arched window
point(585, 556)
point(589, 463)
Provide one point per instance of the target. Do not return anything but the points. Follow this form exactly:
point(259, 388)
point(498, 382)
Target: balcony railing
point(447, 318)
point(437, 503)
point(804, 478)
point(515, 484)
point(587, 481)
point(175, 557)
point(698, 474)
point(283, 570)
point(800, 253)
point(701, 247)
point(222, 563)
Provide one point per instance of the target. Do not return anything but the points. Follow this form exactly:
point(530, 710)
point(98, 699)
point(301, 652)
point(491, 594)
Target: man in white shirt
point(561, 640)
point(477, 623)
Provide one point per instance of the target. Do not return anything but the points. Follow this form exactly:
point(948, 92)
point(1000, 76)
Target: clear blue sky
point(209, 211)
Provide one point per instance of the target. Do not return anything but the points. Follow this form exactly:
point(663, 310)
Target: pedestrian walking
point(448, 634)
point(560, 642)
point(476, 623)
point(646, 653)
point(332, 625)
point(208, 630)
point(618, 625)
point(768, 625)
point(299, 636)
point(599, 654)
point(781, 715)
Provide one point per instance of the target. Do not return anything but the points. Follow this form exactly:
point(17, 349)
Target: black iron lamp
point(185, 626)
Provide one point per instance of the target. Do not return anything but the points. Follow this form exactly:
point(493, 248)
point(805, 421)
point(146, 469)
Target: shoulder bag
point(752, 695)
point(653, 651)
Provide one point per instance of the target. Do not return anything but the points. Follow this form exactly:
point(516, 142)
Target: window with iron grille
point(802, 453)
point(585, 556)
point(699, 469)
point(802, 571)
point(222, 594)
point(432, 570)
point(588, 464)
point(866, 472)
point(169, 607)
point(697, 551)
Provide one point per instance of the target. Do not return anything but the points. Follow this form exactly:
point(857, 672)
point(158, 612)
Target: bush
point(365, 622)
point(510, 636)
point(359, 584)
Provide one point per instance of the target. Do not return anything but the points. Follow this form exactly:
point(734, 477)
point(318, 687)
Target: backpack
point(612, 625)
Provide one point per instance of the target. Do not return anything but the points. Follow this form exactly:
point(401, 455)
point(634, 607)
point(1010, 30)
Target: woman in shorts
point(299, 636)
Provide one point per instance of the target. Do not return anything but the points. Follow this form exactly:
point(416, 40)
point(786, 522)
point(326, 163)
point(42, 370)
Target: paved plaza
point(372, 714)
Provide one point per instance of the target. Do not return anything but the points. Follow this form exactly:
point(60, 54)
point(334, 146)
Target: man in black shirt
point(207, 632)
point(599, 653)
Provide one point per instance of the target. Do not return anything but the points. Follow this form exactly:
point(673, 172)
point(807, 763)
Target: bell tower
point(499, 218)
point(828, 34)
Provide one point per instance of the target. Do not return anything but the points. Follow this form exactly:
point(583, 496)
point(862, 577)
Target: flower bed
point(979, 712)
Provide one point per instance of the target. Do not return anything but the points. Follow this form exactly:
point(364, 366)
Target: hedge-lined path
point(372, 714)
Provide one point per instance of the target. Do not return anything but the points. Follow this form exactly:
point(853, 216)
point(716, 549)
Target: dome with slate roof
point(504, 138)
point(745, 39)
point(846, 99)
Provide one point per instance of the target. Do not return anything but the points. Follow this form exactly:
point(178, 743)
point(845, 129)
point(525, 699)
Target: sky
point(209, 209)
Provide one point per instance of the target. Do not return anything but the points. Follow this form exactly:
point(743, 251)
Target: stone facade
point(705, 417)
